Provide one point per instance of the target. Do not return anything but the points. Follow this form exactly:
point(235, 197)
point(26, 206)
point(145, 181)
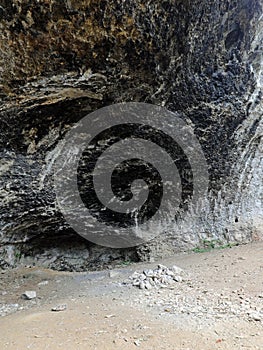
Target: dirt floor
point(217, 305)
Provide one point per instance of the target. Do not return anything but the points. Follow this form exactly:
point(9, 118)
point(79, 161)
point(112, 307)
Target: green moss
point(209, 245)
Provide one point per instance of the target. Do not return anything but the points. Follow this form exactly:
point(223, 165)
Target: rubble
point(160, 277)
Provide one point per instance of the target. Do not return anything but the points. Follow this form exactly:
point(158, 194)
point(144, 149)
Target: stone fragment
point(178, 278)
point(137, 342)
point(136, 282)
point(147, 285)
point(255, 316)
point(60, 307)
point(142, 285)
point(135, 275)
point(177, 270)
point(29, 294)
point(148, 273)
point(42, 283)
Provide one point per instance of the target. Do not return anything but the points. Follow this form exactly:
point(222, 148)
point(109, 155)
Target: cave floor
point(218, 305)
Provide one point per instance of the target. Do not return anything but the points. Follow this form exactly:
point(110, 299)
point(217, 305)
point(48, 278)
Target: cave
point(63, 60)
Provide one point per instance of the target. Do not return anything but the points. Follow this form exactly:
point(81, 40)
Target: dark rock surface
point(60, 60)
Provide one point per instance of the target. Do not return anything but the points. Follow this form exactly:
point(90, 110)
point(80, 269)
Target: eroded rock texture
point(61, 59)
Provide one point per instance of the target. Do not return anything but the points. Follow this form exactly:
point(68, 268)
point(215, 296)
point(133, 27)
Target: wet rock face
point(60, 60)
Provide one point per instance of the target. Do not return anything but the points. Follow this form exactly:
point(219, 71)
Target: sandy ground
point(218, 305)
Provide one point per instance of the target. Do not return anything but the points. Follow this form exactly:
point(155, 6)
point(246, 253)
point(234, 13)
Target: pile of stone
point(159, 277)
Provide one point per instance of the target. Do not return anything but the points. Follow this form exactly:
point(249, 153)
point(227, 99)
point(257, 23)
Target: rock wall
point(61, 59)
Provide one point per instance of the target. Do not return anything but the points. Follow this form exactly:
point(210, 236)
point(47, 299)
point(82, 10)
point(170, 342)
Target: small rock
point(168, 310)
point(137, 342)
point(148, 273)
point(42, 283)
point(142, 285)
point(169, 273)
point(135, 275)
point(151, 281)
point(147, 285)
point(178, 278)
point(162, 267)
point(142, 277)
point(136, 282)
point(177, 270)
point(255, 316)
point(29, 294)
point(166, 279)
point(60, 307)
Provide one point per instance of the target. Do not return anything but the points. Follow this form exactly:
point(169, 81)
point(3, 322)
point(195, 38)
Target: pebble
point(255, 316)
point(141, 285)
point(60, 307)
point(29, 294)
point(42, 283)
point(178, 278)
point(147, 285)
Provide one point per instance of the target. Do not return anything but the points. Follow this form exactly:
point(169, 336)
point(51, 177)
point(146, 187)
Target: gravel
point(173, 291)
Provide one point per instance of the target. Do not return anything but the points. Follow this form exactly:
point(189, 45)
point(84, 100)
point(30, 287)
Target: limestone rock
point(29, 294)
point(60, 307)
point(159, 277)
point(61, 60)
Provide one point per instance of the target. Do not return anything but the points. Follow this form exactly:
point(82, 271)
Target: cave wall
point(60, 60)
